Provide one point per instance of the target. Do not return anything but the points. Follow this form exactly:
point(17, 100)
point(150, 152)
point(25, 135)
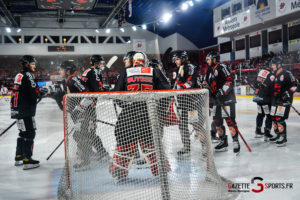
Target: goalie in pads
point(133, 126)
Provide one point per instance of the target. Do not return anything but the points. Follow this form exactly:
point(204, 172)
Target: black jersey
point(72, 85)
point(187, 78)
point(284, 82)
point(24, 96)
point(264, 85)
point(141, 78)
point(92, 80)
point(219, 77)
point(75, 85)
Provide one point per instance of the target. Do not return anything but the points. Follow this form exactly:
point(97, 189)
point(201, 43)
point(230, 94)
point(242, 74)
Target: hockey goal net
point(139, 145)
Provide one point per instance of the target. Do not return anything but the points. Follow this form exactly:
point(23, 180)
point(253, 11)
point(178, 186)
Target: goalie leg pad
point(122, 160)
point(151, 159)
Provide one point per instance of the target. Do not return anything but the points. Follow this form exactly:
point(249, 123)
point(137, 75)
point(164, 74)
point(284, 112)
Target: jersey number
point(136, 87)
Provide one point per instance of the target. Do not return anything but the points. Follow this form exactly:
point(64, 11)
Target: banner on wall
point(284, 7)
point(139, 45)
point(231, 24)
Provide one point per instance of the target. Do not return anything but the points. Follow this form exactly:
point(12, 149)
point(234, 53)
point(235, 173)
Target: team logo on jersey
point(182, 73)
point(174, 75)
point(145, 70)
point(281, 78)
point(18, 79)
point(272, 78)
point(216, 73)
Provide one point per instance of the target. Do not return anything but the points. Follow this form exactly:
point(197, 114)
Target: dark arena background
point(245, 35)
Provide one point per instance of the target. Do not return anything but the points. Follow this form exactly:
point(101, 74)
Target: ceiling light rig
point(165, 18)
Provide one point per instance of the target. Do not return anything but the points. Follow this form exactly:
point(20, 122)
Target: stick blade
point(112, 61)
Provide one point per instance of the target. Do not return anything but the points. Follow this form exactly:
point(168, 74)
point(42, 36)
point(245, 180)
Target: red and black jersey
point(264, 85)
point(75, 85)
point(187, 78)
point(284, 81)
point(92, 80)
point(24, 96)
point(141, 78)
point(219, 77)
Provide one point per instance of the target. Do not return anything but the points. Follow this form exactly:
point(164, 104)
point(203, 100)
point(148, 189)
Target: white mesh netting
point(139, 145)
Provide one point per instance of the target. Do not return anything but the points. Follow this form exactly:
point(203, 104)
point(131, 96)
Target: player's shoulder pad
point(191, 68)
point(224, 68)
point(291, 76)
point(139, 71)
point(18, 79)
point(85, 73)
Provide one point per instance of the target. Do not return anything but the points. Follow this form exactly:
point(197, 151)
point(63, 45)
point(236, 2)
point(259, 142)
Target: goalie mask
point(140, 60)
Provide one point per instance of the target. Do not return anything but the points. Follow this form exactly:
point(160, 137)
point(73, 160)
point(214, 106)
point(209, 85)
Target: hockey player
point(263, 94)
point(91, 77)
point(128, 131)
point(128, 59)
point(185, 79)
point(285, 86)
point(23, 108)
point(220, 83)
point(213, 131)
point(86, 136)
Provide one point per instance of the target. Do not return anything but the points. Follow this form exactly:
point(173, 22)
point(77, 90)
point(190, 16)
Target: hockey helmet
point(96, 59)
point(129, 56)
point(212, 55)
point(180, 55)
point(25, 60)
point(69, 65)
point(140, 60)
point(155, 63)
point(277, 60)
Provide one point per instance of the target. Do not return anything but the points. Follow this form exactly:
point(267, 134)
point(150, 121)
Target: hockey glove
point(219, 94)
point(43, 91)
point(286, 96)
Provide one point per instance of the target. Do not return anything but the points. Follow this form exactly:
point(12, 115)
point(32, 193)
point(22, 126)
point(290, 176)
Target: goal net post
point(139, 145)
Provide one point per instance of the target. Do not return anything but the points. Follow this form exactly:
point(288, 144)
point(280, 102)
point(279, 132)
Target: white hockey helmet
point(140, 60)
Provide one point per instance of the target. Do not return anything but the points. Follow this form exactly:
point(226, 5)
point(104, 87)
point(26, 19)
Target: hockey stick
point(290, 104)
point(13, 123)
point(58, 146)
point(111, 61)
point(107, 123)
point(234, 124)
point(109, 64)
point(164, 58)
point(8, 128)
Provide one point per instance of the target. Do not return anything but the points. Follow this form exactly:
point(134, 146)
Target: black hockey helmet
point(213, 55)
point(96, 59)
point(277, 60)
point(69, 65)
point(180, 55)
point(129, 56)
point(154, 63)
point(25, 60)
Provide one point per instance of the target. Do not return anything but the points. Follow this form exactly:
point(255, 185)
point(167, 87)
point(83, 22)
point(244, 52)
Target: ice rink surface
point(273, 164)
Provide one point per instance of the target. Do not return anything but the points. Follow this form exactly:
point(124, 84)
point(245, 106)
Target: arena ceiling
point(194, 24)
